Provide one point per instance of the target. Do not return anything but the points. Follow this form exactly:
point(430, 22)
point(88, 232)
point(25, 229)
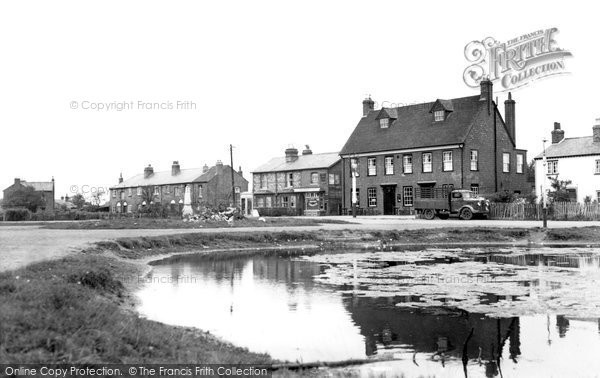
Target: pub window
point(268, 201)
point(263, 181)
point(331, 179)
point(447, 161)
point(178, 190)
point(427, 159)
point(130, 192)
point(122, 194)
point(407, 192)
point(520, 163)
point(139, 190)
point(506, 162)
point(389, 165)
point(475, 189)
point(372, 197)
point(237, 189)
point(114, 194)
point(290, 180)
point(371, 166)
point(407, 163)
point(200, 191)
point(156, 190)
point(384, 123)
point(438, 115)
point(598, 167)
point(474, 160)
point(285, 201)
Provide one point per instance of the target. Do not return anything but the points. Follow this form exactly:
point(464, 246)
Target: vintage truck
point(444, 203)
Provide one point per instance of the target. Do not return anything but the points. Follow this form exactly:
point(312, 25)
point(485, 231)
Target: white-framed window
point(407, 196)
point(129, 192)
point(114, 194)
point(552, 167)
point(260, 202)
point(268, 202)
point(474, 160)
point(475, 189)
point(357, 197)
point(427, 162)
point(285, 201)
point(177, 191)
point(355, 161)
point(520, 163)
point(237, 189)
point(156, 190)
point(597, 167)
point(384, 123)
point(389, 165)
point(447, 161)
point(371, 166)
point(598, 196)
point(314, 178)
point(200, 190)
point(407, 164)
point(263, 181)
point(372, 197)
point(139, 190)
point(506, 162)
point(122, 194)
point(438, 115)
point(289, 180)
point(331, 179)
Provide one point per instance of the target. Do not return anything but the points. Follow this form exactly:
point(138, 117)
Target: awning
point(426, 182)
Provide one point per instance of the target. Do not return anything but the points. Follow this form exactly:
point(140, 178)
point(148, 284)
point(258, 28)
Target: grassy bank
point(153, 223)
point(74, 310)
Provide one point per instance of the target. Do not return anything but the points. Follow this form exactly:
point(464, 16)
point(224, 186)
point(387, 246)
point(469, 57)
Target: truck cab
point(461, 202)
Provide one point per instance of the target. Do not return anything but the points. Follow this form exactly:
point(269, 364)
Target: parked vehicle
point(445, 203)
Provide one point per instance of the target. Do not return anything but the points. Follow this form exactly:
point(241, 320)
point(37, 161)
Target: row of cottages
point(207, 187)
point(571, 159)
point(44, 188)
point(307, 184)
point(458, 143)
point(398, 152)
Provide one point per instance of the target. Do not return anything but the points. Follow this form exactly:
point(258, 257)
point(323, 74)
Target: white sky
point(263, 74)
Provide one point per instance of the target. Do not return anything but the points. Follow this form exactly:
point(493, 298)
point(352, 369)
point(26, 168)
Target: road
point(23, 244)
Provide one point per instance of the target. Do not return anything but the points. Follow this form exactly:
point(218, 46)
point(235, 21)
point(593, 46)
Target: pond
point(432, 312)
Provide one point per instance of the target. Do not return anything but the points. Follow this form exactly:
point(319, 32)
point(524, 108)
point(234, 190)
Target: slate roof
point(39, 186)
point(312, 161)
point(166, 178)
point(572, 147)
point(415, 128)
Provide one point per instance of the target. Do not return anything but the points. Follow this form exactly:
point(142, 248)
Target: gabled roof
point(39, 186)
point(387, 113)
point(312, 161)
point(415, 128)
point(166, 178)
point(572, 147)
point(442, 105)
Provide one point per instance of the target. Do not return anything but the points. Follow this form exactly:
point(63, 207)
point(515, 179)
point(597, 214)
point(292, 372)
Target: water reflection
point(275, 305)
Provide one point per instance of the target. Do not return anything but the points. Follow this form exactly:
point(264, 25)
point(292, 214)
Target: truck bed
point(431, 203)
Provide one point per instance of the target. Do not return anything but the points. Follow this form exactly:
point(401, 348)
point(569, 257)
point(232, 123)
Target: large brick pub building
point(458, 143)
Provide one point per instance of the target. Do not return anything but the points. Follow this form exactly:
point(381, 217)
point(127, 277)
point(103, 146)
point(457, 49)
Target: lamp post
point(544, 200)
point(354, 167)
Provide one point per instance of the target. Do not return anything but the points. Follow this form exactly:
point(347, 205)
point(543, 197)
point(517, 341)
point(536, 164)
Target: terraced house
point(309, 184)
point(207, 187)
point(458, 143)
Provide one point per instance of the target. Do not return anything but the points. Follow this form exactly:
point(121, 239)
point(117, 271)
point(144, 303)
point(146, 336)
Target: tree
point(78, 200)
point(25, 197)
point(97, 198)
point(558, 190)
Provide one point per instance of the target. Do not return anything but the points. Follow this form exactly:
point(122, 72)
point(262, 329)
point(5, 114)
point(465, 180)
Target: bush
point(278, 211)
point(19, 214)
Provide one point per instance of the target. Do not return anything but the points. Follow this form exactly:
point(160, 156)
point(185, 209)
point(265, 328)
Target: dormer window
point(439, 115)
point(384, 123)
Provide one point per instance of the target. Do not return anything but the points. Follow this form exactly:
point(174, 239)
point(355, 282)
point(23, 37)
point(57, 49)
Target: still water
point(431, 312)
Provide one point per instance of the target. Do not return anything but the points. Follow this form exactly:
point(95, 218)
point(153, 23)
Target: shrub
point(19, 214)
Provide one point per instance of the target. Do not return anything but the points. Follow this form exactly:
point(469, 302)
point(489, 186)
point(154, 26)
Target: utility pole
point(232, 178)
point(354, 171)
point(544, 200)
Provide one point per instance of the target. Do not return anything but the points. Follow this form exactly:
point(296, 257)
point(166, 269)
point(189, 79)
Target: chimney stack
point(175, 168)
point(487, 92)
point(557, 133)
point(148, 171)
point(509, 116)
point(121, 177)
point(17, 180)
point(219, 166)
point(368, 105)
point(240, 172)
point(307, 150)
point(205, 168)
point(291, 155)
point(596, 130)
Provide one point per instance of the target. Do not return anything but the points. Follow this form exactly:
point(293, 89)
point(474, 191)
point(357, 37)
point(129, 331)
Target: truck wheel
point(429, 214)
point(466, 214)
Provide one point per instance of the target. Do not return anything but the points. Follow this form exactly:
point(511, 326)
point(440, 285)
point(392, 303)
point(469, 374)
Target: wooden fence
point(556, 211)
